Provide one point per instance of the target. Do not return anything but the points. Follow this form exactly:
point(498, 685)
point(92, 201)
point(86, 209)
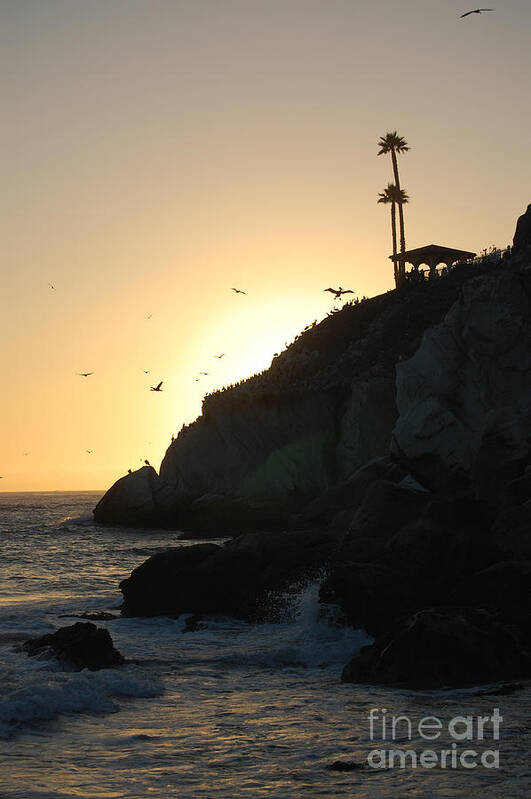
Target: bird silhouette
point(147, 462)
point(89, 451)
point(52, 286)
point(157, 388)
point(475, 11)
point(203, 373)
point(239, 291)
point(339, 291)
point(196, 379)
point(84, 374)
point(149, 316)
point(220, 356)
point(26, 453)
point(146, 371)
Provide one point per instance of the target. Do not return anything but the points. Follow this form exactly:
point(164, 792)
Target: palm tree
point(393, 143)
point(395, 197)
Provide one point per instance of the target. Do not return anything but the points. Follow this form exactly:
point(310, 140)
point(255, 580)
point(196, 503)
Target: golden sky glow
point(156, 153)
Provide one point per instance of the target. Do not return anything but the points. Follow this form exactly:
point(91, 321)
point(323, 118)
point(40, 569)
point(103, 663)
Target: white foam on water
point(46, 694)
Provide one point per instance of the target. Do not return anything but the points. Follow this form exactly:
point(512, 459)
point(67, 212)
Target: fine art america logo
point(460, 734)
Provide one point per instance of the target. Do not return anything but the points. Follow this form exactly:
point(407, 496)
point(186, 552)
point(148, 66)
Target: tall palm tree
point(395, 197)
point(395, 144)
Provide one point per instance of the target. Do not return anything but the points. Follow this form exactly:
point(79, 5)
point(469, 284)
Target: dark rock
point(344, 765)
point(386, 507)
point(83, 645)
point(522, 235)
point(193, 624)
point(338, 504)
point(370, 595)
point(501, 456)
point(439, 647)
point(503, 587)
point(233, 579)
point(132, 500)
point(511, 532)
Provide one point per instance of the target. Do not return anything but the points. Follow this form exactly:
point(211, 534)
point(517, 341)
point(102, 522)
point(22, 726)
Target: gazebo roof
point(431, 250)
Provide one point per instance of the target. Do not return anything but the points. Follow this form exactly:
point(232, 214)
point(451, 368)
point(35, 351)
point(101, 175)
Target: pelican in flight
point(219, 356)
point(84, 374)
point(157, 388)
point(475, 11)
point(238, 291)
point(89, 451)
point(52, 286)
point(339, 291)
point(146, 371)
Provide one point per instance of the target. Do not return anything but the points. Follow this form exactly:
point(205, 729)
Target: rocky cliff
point(262, 450)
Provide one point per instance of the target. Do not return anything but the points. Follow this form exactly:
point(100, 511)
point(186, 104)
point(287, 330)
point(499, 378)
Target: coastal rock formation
point(439, 647)
point(464, 398)
point(265, 448)
point(82, 645)
point(417, 503)
point(237, 579)
point(522, 236)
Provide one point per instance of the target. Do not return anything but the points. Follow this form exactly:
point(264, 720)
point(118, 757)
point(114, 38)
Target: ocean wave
point(47, 695)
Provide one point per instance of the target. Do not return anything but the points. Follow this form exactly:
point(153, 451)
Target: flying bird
point(238, 291)
point(196, 380)
point(84, 374)
point(157, 388)
point(52, 286)
point(475, 11)
point(339, 291)
point(203, 373)
point(90, 451)
point(148, 316)
point(220, 356)
point(146, 371)
point(26, 453)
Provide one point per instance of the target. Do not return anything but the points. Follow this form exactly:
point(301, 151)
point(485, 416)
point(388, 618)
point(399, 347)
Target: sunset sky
point(158, 152)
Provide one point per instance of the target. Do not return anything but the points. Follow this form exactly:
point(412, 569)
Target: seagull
point(203, 373)
point(84, 374)
point(146, 371)
point(196, 380)
point(238, 291)
point(220, 356)
point(339, 291)
point(157, 388)
point(475, 11)
point(52, 286)
point(90, 451)
point(149, 316)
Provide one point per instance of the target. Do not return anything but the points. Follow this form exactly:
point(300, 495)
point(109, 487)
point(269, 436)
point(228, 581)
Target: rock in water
point(439, 647)
point(522, 236)
point(83, 645)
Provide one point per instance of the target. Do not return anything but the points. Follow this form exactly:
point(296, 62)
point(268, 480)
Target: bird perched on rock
point(157, 388)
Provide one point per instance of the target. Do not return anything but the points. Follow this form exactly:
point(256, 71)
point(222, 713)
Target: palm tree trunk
point(393, 231)
point(400, 214)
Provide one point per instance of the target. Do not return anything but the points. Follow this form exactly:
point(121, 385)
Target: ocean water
point(233, 710)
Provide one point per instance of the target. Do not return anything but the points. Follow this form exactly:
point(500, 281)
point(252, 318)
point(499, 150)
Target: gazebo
point(431, 255)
